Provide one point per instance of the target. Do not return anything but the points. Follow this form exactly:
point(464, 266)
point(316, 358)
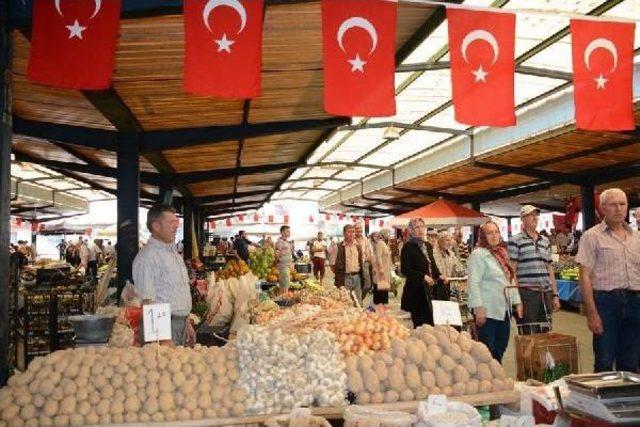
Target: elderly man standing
point(530, 253)
point(609, 258)
point(348, 263)
point(160, 275)
point(448, 264)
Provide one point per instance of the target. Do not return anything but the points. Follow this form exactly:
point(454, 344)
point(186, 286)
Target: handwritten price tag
point(446, 313)
point(156, 320)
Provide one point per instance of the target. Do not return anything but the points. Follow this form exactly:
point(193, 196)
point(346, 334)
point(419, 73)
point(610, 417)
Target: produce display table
point(333, 413)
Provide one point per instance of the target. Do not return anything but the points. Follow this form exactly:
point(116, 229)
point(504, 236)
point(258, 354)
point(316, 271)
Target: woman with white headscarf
point(421, 271)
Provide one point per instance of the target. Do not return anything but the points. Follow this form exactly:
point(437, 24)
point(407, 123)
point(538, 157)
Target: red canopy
point(443, 212)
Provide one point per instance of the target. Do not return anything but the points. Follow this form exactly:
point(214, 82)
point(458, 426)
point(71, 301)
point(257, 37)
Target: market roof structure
point(235, 155)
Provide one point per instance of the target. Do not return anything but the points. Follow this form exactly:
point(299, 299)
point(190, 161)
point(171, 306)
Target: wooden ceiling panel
point(48, 104)
point(447, 179)
point(270, 179)
point(40, 149)
point(110, 159)
point(491, 184)
point(164, 105)
point(211, 188)
point(562, 145)
point(204, 157)
point(277, 148)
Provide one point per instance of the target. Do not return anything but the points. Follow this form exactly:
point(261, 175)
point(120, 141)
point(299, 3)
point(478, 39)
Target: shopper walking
point(530, 253)
point(489, 273)
point(448, 264)
point(284, 257)
point(419, 267)
point(367, 258)
point(382, 265)
point(318, 251)
point(160, 274)
point(348, 263)
point(609, 258)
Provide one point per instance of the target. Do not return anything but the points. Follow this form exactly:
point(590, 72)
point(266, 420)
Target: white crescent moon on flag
point(234, 4)
point(357, 21)
point(95, 12)
point(480, 35)
point(604, 44)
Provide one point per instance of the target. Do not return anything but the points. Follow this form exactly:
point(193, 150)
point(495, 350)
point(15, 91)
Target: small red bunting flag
point(256, 218)
point(311, 218)
point(270, 219)
point(327, 216)
point(241, 217)
point(286, 219)
point(228, 222)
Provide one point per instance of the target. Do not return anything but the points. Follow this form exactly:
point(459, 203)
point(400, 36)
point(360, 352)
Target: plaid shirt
point(615, 263)
point(448, 263)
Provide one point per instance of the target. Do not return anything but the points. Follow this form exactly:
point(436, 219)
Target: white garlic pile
point(279, 371)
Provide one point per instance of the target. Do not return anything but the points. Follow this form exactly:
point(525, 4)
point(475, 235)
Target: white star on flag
point(357, 64)
point(601, 81)
point(224, 43)
point(480, 74)
point(75, 30)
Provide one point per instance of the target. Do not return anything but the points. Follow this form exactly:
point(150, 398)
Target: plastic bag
point(457, 414)
point(364, 416)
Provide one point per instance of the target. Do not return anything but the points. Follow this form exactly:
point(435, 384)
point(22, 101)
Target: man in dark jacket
point(349, 262)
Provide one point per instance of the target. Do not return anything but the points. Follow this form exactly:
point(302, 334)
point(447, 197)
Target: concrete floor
point(566, 321)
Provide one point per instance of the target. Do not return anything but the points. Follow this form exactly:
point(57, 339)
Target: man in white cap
point(530, 253)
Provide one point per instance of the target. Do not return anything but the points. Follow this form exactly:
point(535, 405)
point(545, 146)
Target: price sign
point(446, 313)
point(156, 320)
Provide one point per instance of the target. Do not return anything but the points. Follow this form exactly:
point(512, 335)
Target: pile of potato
point(431, 361)
point(100, 386)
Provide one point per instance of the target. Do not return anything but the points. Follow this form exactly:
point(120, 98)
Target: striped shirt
point(160, 275)
point(615, 262)
point(533, 257)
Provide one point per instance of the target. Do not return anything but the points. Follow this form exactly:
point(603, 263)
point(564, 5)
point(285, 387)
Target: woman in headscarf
point(489, 272)
point(382, 265)
point(420, 269)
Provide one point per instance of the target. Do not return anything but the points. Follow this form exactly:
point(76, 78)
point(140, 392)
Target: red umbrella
point(443, 212)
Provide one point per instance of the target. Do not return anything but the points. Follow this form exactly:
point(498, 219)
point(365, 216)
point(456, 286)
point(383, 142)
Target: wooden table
point(332, 413)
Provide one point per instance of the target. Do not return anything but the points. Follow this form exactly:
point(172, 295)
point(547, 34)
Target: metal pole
point(128, 203)
point(474, 235)
point(6, 69)
point(165, 194)
point(587, 191)
point(188, 227)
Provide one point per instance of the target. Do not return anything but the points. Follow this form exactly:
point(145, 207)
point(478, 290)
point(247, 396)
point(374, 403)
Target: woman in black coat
point(419, 267)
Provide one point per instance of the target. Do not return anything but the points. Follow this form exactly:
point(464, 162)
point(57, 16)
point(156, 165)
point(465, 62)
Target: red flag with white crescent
point(73, 43)
point(603, 74)
point(223, 48)
point(359, 39)
point(482, 49)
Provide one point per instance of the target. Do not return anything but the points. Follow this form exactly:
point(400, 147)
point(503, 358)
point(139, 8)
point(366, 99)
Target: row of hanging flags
point(74, 43)
point(271, 219)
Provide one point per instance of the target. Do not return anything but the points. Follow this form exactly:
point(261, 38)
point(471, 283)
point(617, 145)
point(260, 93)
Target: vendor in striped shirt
point(530, 254)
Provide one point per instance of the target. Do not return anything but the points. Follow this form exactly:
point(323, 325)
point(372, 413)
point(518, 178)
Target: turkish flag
point(603, 74)
point(256, 218)
point(223, 48)
point(482, 49)
point(73, 43)
point(359, 39)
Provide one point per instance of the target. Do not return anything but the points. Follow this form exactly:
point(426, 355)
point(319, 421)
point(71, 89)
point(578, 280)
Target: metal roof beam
point(101, 139)
point(551, 176)
point(233, 210)
point(227, 206)
point(189, 137)
point(370, 208)
point(203, 200)
point(409, 126)
point(520, 69)
point(411, 205)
